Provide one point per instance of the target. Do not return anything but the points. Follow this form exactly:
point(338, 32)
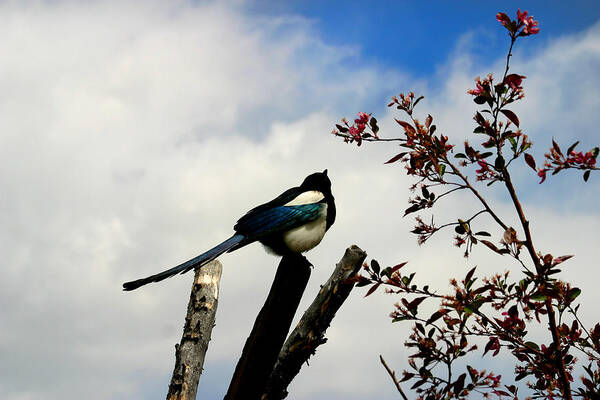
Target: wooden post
point(270, 329)
point(199, 322)
point(310, 331)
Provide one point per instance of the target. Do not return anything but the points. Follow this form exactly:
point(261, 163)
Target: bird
point(292, 223)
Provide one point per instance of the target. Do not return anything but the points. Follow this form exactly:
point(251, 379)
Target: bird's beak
point(325, 172)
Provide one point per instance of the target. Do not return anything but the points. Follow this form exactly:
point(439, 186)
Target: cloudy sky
point(134, 134)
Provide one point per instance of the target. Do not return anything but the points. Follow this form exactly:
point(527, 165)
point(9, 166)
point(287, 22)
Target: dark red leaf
point(395, 158)
point(397, 267)
point(470, 274)
point(560, 259)
point(530, 161)
point(406, 125)
point(511, 116)
point(556, 147)
point(572, 147)
point(428, 121)
point(341, 128)
point(437, 315)
point(372, 289)
point(491, 246)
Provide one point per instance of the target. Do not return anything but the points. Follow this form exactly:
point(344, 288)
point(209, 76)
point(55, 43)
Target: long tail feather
point(188, 265)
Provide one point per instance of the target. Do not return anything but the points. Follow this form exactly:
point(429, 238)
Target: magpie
point(292, 223)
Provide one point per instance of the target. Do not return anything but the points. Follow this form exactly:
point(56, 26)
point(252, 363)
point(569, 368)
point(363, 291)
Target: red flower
point(529, 25)
point(364, 117)
point(514, 81)
point(503, 18)
point(542, 174)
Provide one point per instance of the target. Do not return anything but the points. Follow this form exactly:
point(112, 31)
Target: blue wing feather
point(264, 222)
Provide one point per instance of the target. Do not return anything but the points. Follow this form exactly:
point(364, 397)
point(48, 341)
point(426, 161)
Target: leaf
point(412, 209)
point(573, 293)
point(470, 274)
point(395, 158)
point(459, 384)
point(418, 100)
point(499, 163)
point(459, 155)
point(398, 266)
point(406, 125)
point(373, 289)
point(586, 175)
point(442, 169)
point(483, 233)
point(437, 315)
point(530, 161)
point(479, 129)
point(511, 116)
point(428, 121)
point(375, 266)
point(556, 147)
point(341, 128)
point(374, 126)
point(432, 129)
point(415, 303)
point(491, 246)
point(538, 297)
point(572, 147)
point(560, 259)
point(480, 99)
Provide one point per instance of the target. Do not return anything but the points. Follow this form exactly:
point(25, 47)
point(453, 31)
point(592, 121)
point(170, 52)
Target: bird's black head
point(317, 181)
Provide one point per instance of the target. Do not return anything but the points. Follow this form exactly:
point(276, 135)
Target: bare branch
point(199, 322)
point(393, 376)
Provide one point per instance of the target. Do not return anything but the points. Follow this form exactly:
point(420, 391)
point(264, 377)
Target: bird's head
point(317, 181)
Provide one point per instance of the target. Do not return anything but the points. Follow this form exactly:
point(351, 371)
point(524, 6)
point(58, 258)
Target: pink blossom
point(354, 132)
point(479, 90)
point(531, 27)
point(364, 117)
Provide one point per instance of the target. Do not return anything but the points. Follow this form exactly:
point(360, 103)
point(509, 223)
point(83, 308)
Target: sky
point(134, 134)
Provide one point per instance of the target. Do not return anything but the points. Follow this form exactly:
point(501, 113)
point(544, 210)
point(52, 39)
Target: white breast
point(307, 236)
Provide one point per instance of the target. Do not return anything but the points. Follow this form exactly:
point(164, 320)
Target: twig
point(393, 376)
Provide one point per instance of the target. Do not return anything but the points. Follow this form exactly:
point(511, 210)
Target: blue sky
point(138, 132)
point(419, 36)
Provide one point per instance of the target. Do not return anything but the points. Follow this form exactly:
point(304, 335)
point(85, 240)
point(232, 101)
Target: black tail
point(188, 265)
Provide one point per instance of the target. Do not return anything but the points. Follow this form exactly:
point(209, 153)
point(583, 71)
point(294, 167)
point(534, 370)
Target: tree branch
point(199, 322)
point(270, 329)
point(393, 376)
point(310, 331)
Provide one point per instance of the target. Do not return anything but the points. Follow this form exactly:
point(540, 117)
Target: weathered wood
point(199, 322)
point(270, 329)
point(310, 331)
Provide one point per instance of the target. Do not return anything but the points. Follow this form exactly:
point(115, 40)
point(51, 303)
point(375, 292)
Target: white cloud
point(135, 134)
